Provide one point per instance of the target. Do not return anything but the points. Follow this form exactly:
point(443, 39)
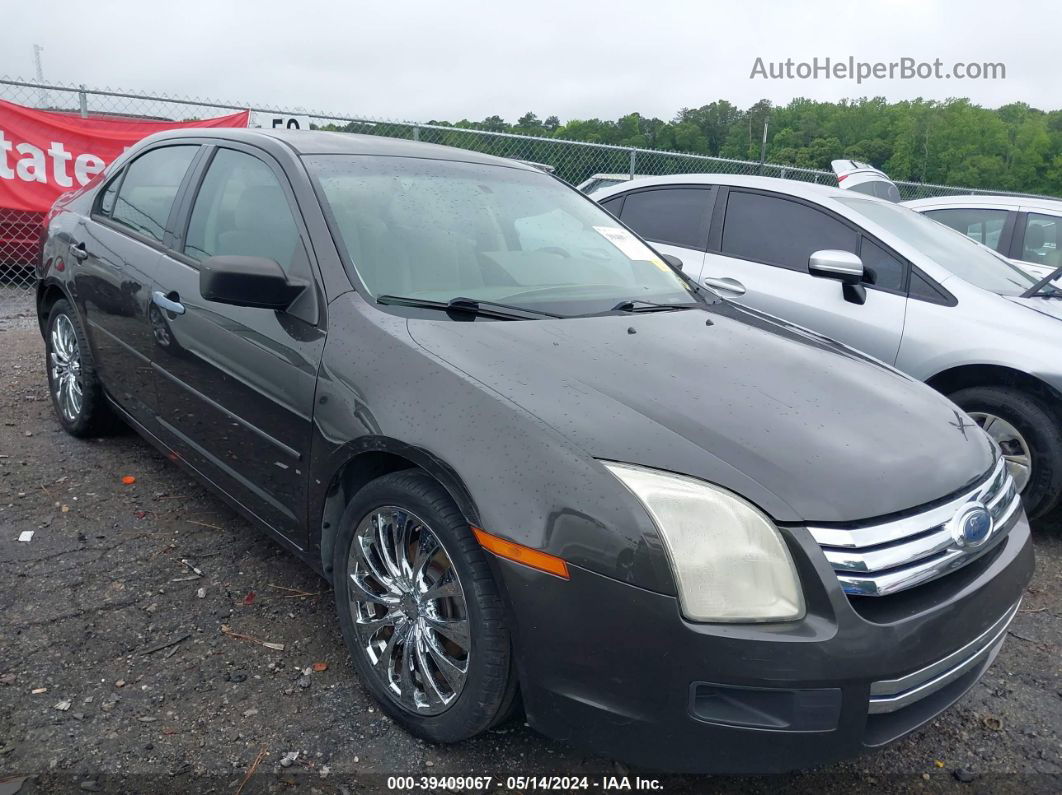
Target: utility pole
point(42, 99)
point(763, 142)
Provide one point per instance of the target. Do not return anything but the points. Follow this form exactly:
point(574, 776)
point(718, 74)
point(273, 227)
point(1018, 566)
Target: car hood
point(806, 428)
point(1052, 307)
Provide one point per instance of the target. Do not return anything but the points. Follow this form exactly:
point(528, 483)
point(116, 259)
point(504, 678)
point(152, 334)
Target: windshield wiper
point(638, 305)
point(1034, 291)
point(472, 306)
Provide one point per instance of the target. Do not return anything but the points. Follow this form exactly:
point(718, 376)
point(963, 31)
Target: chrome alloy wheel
point(1015, 449)
point(409, 610)
point(64, 360)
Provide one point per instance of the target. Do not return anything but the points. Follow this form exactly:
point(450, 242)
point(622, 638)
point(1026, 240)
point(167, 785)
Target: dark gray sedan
point(540, 466)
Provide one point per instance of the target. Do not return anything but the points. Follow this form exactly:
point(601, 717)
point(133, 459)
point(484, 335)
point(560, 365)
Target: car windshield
point(965, 258)
point(438, 230)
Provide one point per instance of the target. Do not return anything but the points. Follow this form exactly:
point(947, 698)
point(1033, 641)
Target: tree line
point(955, 142)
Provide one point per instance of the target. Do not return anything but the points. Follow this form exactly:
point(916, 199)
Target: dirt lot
point(92, 698)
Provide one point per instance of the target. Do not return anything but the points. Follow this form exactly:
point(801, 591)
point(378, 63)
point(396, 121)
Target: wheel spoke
point(402, 529)
point(452, 672)
point(373, 625)
point(385, 545)
point(64, 397)
point(59, 341)
point(407, 679)
point(362, 593)
point(427, 546)
point(431, 689)
point(75, 394)
point(455, 630)
point(383, 663)
point(364, 554)
point(443, 588)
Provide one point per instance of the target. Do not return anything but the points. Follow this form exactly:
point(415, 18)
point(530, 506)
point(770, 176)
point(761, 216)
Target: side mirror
point(844, 266)
point(672, 260)
point(247, 281)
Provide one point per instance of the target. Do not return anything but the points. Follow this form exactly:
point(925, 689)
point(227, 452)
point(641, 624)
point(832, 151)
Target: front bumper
point(616, 669)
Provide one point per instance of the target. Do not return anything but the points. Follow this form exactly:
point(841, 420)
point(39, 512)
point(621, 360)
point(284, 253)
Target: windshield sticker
point(630, 245)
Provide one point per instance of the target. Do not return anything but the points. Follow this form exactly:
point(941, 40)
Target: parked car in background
point(864, 178)
point(1023, 229)
point(884, 279)
point(531, 457)
point(1026, 231)
point(599, 181)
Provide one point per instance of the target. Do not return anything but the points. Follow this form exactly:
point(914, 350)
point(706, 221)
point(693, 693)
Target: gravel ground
point(117, 675)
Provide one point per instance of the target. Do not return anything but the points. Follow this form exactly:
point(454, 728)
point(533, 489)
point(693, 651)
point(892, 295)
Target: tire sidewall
point(1039, 427)
point(483, 695)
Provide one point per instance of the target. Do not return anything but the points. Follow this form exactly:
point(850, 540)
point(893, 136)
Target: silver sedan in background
point(885, 280)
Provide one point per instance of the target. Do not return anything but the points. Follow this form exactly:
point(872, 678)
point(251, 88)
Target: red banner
point(43, 153)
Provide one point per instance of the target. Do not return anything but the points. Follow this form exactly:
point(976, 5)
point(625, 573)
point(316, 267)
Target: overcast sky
point(452, 59)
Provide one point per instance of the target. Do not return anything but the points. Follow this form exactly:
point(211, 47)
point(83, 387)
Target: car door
point(236, 384)
point(758, 256)
point(674, 218)
point(115, 258)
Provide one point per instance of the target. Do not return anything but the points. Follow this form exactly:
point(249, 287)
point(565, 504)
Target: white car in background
point(885, 280)
point(600, 181)
point(1026, 231)
point(864, 178)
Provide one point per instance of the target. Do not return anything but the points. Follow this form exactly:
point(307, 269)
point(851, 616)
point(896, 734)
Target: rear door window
point(677, 216)
point(983, 225)
point(146, 195)
point(777, 231)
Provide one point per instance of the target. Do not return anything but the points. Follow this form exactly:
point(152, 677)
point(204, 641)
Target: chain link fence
point(573, 161)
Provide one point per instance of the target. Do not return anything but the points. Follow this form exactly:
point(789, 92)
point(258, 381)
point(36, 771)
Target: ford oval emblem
point(972, 525)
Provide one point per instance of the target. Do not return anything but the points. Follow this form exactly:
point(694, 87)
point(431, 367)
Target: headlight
point(729, 560)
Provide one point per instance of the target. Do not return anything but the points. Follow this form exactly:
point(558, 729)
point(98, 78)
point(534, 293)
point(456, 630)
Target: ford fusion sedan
point(883, 279)
point(540, 466)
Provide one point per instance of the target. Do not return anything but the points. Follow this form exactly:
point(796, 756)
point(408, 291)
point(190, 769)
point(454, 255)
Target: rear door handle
point(726, 284)
point(78, 252)
point(166, 302)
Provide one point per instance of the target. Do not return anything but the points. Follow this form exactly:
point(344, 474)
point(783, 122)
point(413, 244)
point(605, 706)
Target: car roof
point(791, 187)
point(984, 200)
point(321, 142)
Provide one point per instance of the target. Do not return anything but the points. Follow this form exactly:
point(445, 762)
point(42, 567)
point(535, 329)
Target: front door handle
point(168, 302)
point(78, 252)
point(726, 284)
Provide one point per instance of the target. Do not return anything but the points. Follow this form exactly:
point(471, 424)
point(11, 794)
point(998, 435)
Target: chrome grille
point(880, 559)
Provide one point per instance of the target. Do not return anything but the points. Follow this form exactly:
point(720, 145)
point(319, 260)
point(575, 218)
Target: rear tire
point(1039, 429)
point(393, 610)
point(73, 383)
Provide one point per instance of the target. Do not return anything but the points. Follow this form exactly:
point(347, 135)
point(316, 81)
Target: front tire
point(77, 394)
point(420, 611)
point(1029, 434)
